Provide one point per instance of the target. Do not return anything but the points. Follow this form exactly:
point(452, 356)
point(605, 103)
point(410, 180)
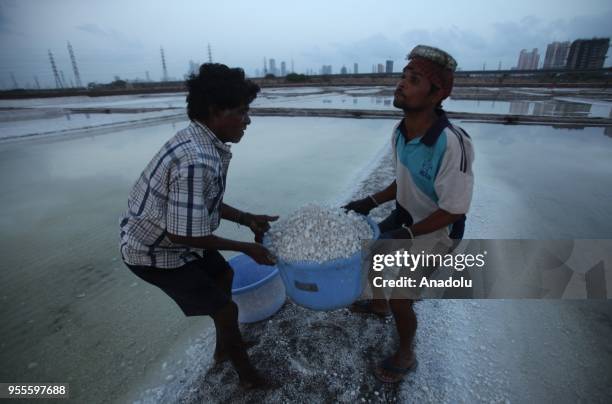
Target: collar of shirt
point(206, 132)
point(433, 133)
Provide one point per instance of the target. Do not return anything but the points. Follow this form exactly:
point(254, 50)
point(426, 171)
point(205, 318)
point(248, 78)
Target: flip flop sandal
point(365, 306)
point(397, 371)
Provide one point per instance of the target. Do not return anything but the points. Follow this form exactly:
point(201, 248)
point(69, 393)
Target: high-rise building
point(194, 68)
point(389, 66)
point(380, 68)
point(272, 69)
point(588, 53)
point(343, 70)
point(283, 70)
point(326, 69)
point(355, 68)
point(528, 60)
point(556, 55)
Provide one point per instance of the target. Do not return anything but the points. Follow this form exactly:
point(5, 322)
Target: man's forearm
point(230, 213)
point(211, 242)
point(436, 221)
point(387, 194)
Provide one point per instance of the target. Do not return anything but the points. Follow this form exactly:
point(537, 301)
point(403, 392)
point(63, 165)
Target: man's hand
point(260, 254)
point(395, 234)
point(259, 224)
point(363, 206)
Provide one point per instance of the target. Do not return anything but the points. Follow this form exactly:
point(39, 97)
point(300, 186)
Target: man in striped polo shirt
point(177, 203)
point(433, 186)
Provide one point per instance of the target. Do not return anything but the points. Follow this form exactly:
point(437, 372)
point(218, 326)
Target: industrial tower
point(64, 82)
point(165, 77)
point(209, 54)
point(58, 82)
point(75, 69)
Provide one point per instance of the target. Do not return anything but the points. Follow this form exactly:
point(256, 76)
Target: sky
point(123, 38)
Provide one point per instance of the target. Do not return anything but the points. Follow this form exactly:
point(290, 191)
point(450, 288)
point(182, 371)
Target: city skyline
point(113, 39)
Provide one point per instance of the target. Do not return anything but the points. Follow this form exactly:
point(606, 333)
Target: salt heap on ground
point(318, 233)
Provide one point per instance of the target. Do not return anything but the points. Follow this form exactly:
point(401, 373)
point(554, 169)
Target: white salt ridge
point(318, 233)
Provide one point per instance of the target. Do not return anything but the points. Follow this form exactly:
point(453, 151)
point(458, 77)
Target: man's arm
point(387, 194)
point(365, 205)
point(256, 251)
point(230, 213)
point(259, 224)
point(436, 221)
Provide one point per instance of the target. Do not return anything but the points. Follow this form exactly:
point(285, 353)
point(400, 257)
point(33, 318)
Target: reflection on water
point(540, 182)
point(337, 98)
point(519, 107)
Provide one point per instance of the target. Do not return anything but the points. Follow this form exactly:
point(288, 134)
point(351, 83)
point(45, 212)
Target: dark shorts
point(199, 288)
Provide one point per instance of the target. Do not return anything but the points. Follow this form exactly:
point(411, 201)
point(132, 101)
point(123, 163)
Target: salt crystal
point(318, 233)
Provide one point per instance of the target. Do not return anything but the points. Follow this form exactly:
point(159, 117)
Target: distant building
point(355, 68)
point(588, 53)
point(528, 60)
point(194, 68)
point(283, 71)
point(326, 69)
point(556, 55)
point(389, 66)
point(343, 70)
point(380, 68)
point(272, 69)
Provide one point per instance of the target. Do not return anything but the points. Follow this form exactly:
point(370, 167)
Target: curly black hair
point(218, 86)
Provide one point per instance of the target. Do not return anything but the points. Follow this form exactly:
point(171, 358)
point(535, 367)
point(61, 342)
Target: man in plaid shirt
point(177, 203)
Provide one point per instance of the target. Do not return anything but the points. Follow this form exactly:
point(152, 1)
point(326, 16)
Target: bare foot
point(395, 368)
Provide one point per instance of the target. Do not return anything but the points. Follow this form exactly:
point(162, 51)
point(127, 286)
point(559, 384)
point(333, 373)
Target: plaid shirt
point(179, 192)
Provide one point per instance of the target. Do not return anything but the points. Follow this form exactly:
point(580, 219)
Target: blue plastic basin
point(257, 289)
point(325, 286)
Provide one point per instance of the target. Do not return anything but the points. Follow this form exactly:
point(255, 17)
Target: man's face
point(413, 92)
point(231, 123)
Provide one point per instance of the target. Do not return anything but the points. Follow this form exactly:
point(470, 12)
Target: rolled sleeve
point(187, 213)
point(454, 183)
